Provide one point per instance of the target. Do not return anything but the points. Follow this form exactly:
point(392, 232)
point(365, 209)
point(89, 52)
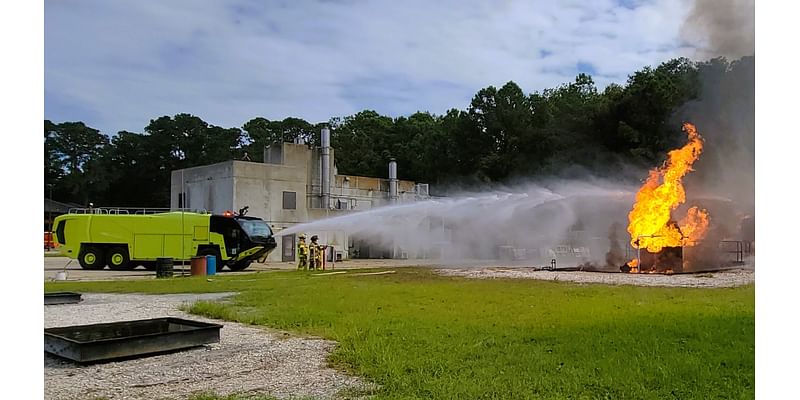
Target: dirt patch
point(729, 278)
point(247, 360)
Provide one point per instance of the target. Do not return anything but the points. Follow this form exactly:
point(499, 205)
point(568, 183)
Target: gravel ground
point(728, 278)
point(247, 360)
point(53, 265)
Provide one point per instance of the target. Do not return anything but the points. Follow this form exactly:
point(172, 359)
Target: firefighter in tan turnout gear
point(302, 253)
point(317, 252)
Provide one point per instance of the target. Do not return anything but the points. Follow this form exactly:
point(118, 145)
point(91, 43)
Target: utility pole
point(182, 207)
point(50, 211)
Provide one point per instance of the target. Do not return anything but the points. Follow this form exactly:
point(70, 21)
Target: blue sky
point(117, 64)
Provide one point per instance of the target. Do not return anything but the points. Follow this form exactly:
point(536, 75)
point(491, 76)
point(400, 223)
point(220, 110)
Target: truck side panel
point(147, 236)
point(164, 234)
point(174, 248)
point(148, 247)
point(200, 233)
point(75, 231)
point(110, 229)
point(217, 239)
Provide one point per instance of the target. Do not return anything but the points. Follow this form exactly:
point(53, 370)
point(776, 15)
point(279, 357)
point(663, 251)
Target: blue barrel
point(211, 265)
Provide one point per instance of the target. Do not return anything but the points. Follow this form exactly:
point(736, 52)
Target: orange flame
point(650, 221)
point(633, 265)
point(695, 224)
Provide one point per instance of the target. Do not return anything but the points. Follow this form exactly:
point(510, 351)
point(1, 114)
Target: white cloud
point(116, 65)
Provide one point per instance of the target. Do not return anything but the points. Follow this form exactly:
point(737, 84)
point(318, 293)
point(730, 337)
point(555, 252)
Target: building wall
point(208, 187)
point(261, 187)
point(363, 193)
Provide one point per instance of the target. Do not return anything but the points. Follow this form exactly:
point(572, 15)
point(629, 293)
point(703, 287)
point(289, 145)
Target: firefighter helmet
point(314, 238)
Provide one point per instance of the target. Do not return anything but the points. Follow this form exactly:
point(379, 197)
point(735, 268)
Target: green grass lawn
point(419, 335)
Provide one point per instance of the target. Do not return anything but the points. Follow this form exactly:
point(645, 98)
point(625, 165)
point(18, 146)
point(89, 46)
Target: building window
point(181, 200)
point(289, 200)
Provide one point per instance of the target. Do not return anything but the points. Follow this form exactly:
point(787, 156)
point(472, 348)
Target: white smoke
point(474, 225)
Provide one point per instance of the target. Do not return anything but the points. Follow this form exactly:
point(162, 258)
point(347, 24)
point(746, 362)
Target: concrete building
point(294, 184)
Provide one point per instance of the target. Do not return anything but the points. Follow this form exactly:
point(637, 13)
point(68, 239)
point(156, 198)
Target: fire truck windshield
point(255, 228)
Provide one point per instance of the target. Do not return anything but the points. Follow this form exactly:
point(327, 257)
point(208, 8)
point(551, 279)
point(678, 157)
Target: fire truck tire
point(239, 266)
point(211, 251)
point(91, 257)
point(118, 259)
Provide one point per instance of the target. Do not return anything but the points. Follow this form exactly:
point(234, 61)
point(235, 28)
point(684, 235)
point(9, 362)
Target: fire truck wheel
point(91, 257)
point(118, 259)
point(239, 266)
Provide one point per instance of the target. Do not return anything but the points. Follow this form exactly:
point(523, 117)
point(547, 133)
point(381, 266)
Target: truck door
point(230, 231)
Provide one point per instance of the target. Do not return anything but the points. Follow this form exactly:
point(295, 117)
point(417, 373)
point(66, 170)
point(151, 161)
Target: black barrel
point(163, 268)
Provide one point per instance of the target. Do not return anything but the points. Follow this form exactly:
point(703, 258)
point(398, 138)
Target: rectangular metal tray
point(62, 298)
point(102, 342)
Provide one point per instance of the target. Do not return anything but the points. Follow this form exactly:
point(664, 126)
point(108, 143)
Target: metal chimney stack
point(392, 180)
point(325, 160)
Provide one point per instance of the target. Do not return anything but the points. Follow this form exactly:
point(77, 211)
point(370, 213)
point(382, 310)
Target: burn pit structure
point(692, 256)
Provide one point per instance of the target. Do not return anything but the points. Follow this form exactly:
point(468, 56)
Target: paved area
point(727, 278)
point(473, 269)
point(54, 264)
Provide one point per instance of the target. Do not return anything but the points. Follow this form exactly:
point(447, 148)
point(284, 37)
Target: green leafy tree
point(134, 172)
point(501, 124)
point(465, 146)
point(504, 133)
point(72, 152)
point(647, 104)
point(563, 120)
point(423, 150)
point(185, 141)
point(365, 140)
point(54, 167)
point(262, 132)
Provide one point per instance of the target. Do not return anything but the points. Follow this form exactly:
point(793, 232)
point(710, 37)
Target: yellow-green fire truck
point(123, 241)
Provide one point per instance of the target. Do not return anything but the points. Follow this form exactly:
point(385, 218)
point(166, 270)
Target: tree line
point(503, 135)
